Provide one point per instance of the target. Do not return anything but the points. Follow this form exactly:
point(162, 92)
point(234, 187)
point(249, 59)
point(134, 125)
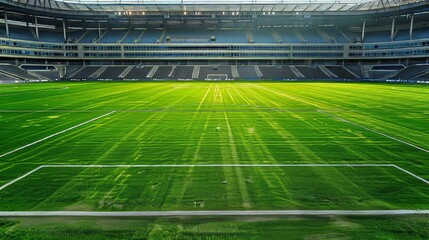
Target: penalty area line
point(374, 131)
point(55, 134)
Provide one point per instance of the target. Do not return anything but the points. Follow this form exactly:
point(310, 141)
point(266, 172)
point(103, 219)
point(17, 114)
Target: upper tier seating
point(379, 36)
point(132, 36)
point(403, 34)
point(178, 36)
point(311, 35)
point(420, 33)
point(112, 36)
point(151, 36)
point(263, 36)
point(49, 36)
point(288, 35)
point(188, 36)
point(90, 36)
point(230, 36)
point(19, 33)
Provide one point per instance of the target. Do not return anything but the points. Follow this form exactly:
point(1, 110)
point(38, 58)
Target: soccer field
point(213, 146)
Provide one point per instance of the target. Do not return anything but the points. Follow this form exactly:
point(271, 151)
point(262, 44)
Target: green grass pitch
point(213, 123)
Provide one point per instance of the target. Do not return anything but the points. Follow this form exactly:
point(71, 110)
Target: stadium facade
point(384, 40)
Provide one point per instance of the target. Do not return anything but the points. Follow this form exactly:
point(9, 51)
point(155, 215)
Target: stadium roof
point(130, 7)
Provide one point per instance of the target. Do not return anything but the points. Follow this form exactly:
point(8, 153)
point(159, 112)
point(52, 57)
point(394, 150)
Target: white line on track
point(374, 131)
point(55, 134)
point(209, 213)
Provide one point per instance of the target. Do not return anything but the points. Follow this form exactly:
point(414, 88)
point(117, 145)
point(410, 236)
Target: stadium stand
point(48, 74)
point(379, 36)
point(151, 36)
point(183, 72)
point(111, 73)
point(277, 72)
point(84, 73)
point(163, 72)
point(211, 72)
point(312, 72)
point(112, 36)
point(311, 35)
point(17, 72)
point(235, 45)
point(132, 36)
point(247, 72)
point(263, 36)
point(89, 37)
point(341, 72)
point(50, 36)
point(138, 73)
point(410, 72)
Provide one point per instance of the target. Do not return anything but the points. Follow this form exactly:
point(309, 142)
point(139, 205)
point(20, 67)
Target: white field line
point(208, 165)
point(209, 213)
point(19, 178)
point(55, 134)
point(412, 174)
point(374, 131)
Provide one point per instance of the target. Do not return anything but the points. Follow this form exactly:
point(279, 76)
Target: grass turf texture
point(214, 123)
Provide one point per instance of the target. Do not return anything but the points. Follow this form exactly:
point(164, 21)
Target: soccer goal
point(217, 77)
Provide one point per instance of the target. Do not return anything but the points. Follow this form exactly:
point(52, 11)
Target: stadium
point(240, 119)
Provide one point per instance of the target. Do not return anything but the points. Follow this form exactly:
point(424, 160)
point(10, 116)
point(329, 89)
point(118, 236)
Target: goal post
point(217, 77)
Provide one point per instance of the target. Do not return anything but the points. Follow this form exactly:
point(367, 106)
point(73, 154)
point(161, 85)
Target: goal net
point(217, 77)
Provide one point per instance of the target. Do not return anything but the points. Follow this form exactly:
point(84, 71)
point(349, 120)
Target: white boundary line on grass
point(374, 131)
point(210, 213)
point(55, 134)
point(209, 165)
point(213, 212)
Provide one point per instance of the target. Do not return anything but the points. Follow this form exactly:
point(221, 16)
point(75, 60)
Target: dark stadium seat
point(111, 73)
point(247, 72)
point(411, 71)
point(277, 72)
point(162, 72)
point(341, 72)
point(312, 72)
point(138, 73)
point(85, 72)
point(183, 72)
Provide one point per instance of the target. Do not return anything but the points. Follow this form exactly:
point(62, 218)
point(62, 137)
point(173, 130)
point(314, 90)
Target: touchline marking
point(374, 131)
point(209, 165)
point(55, 134)
point(209, 213)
